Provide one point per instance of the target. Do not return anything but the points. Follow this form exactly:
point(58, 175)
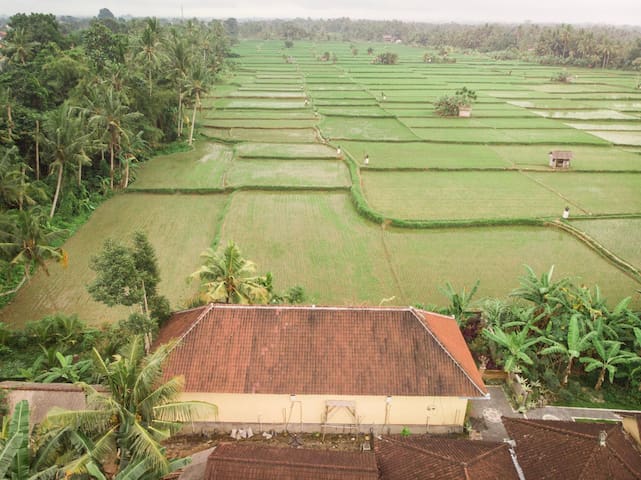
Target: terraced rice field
point(279, 167)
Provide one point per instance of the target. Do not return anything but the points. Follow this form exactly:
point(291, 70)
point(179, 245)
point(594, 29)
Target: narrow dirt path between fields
point(390, 264)
point(550, 189)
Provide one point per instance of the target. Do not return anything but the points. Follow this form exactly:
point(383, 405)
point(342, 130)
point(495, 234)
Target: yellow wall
point(278, 410)
point(631, 426)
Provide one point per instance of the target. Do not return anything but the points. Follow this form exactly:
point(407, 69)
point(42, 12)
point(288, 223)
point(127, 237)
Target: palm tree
point(610, 357)
point(109, 113)
point(227, 277)
point(65, 141)
point(179, 60)
point(572, 346)
point(150, 49)
point(19, 47)
point(129, 422)
point(197, 83)
point(29, 242)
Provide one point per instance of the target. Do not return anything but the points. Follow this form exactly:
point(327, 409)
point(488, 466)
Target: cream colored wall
point(310, 409)
point(631, 426)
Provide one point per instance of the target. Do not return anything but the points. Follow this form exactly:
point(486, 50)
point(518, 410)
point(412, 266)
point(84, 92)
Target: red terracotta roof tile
point(256, 462)
point(426, 457)
point(307, 350)
point(568, 450)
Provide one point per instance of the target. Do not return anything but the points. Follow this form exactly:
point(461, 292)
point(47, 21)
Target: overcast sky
point(620, 12)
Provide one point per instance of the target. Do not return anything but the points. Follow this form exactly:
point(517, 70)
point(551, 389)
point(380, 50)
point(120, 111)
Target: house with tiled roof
point(432, 457)
point(324, 368)
point(258, 462)
point(548, 449)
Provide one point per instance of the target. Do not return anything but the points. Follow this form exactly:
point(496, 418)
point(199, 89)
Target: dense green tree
point(227, 277)
point(139, 411)
point(608, 359)
point(65, 143)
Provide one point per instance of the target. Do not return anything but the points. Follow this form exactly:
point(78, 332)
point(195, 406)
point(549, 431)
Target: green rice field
point(278, 166)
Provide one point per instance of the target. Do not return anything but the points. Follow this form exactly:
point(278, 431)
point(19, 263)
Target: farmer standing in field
point(366, 161)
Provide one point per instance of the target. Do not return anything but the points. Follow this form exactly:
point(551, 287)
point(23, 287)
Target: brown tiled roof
point(553, 449)
point(256, 462)
point(425, 457)
point(562, 154)
point(307, 350)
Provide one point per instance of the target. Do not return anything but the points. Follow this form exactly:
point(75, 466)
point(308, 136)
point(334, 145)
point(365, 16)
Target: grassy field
point(618, 235)
point(257, 131)
point(179, 227)
point(459, 195)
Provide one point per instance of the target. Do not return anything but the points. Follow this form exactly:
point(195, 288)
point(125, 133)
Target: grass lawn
point(365, 129)
point(316, 173)
point(179, 227)
point(458, 195)
point(621, 236)
point(424, 155)
point(315, 240)
point(298, 135)
point(202, 167)
point(285, 150)
point(425, 260)
point(596, 193)
point(585, 157)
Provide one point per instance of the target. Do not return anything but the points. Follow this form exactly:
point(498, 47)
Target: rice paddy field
point(279, 167)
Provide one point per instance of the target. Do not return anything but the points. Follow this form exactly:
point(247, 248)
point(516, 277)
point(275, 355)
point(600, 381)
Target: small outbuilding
point(560, 158)
point(465, 111)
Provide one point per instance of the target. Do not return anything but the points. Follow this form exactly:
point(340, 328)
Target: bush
point(447, 106)
point(562, 77)
point(289, 43)
point(387, 58)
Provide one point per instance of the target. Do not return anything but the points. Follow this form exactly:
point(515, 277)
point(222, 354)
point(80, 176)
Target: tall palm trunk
point(58, 187)
point(193, 119)
point(37, 149)
point(180, 113)
point(111, 165)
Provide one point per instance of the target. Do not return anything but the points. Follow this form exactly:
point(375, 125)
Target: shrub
point(562, 77)
point(289, 43)
point(447, 106)
point(387, 58)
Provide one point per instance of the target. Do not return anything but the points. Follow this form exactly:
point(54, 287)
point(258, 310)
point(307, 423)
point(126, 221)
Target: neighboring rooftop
point(258, 462)
point(428, 457)
point(570, 450)
point(317, 350)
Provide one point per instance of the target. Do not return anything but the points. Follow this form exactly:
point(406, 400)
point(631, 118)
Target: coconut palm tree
point(128, 423)
point(65, 141)
point(109, 113)
point(572, 346)
point(28, 242)
point(197, 83)
point(227, 277)
point(150, 52)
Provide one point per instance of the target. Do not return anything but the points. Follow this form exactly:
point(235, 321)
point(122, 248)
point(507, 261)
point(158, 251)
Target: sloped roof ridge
point(612, 451)
point(465, 464)
point(449, 354)
point(283, 463)
point(206, 310)
point(423, 450)
point(318, 307)
point(548, 426)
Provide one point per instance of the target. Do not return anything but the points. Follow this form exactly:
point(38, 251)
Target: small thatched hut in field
point(465, 111)
point(560, 158)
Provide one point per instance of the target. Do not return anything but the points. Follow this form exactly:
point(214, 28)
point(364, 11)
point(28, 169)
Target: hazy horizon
point(616, 12)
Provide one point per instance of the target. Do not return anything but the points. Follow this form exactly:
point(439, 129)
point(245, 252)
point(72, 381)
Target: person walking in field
point(338, 151)
point(566, 213)
point(366, 161)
